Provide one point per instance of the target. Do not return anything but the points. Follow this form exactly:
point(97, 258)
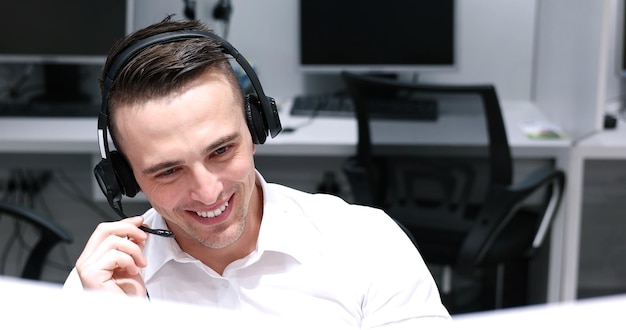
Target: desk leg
point(571, 226)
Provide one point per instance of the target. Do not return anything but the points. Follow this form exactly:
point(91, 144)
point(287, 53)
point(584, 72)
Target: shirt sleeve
point(72, 282)
point(402, 292)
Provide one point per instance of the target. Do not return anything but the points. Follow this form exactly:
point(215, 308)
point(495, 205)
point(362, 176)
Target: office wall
point(147, 12)
point(495, 45)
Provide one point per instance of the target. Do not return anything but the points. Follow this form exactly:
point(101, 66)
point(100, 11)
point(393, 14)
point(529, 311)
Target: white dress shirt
point(319, 260)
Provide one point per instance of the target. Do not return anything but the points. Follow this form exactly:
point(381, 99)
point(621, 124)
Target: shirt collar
point(284, 229)
point(160, 250)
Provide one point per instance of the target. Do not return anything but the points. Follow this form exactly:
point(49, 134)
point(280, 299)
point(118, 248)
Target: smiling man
point(186, 136)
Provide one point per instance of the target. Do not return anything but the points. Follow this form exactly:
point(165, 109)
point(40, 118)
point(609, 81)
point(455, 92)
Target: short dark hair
point(162, 69)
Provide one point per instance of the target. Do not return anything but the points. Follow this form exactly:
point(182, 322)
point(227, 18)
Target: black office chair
point(27, 239)
point(463, 210)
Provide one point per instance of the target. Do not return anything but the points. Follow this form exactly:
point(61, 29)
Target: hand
point(113, 258)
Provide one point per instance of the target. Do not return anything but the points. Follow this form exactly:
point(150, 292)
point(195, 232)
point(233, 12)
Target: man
point(177, 115)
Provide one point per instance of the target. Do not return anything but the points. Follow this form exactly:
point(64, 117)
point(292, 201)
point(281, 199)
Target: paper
point(542, 130)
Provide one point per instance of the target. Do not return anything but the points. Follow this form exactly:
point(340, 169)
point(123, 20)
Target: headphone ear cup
point(255, 120)
point(124, 174)
point(105, 177)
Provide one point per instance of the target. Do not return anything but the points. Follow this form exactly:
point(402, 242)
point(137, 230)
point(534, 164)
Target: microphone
point(159, 232)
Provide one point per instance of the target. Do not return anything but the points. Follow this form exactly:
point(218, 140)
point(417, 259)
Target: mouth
point(213, 213)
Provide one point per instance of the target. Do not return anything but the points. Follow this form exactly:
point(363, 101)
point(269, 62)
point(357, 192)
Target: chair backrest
point(424, 190)
point(467, 115)
point(460, 203)
point(28, 237)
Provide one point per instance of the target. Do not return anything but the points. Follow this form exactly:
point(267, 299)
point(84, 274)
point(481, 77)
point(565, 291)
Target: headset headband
point(122, 58)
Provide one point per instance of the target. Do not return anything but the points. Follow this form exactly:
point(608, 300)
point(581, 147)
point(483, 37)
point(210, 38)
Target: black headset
point(113, 173)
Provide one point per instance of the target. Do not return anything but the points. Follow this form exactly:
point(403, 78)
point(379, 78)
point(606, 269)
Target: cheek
point(239, 174)
point(241, 165)
point(162, 196)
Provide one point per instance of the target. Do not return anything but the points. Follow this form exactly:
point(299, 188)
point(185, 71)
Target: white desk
point(320, 137)
point(39, 305)
point(338, 136)
point(35, 305)
point(323, 136)
point(605, 312)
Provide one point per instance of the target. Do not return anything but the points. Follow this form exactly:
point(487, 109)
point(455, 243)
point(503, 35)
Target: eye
point(167, 172)
point(222, 150)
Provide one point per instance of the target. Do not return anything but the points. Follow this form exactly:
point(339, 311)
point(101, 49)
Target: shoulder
point(332, 214)
point(314, 204)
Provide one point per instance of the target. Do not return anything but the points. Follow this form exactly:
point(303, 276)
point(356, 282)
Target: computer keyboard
point(49, 109)
point(322, 106)
point(342, 106)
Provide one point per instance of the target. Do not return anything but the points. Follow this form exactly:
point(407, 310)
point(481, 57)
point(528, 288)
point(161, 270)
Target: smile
point(214, 213)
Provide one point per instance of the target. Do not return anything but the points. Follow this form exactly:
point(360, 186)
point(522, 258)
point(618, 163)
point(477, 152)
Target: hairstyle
point(163, 69)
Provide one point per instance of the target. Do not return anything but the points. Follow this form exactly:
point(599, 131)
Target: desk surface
point(605, 144)
point(41, 305)
point(319, 136)
point(606, 313)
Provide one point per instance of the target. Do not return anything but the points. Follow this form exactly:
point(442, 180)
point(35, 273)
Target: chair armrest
point(499, 209)
point(36, 219)
point(534, 181)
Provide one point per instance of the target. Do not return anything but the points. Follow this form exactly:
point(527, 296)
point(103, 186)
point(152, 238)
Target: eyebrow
point(167, 164)
point(160, 166)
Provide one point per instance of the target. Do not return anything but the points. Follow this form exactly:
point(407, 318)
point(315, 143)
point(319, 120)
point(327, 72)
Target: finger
point(102, 268)
point(107, 271)
point(123, 228)
point(132, 248)
point(131, 286)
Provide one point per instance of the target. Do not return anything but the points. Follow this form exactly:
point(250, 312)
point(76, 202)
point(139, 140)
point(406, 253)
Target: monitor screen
point(62, 38)
point(61, 31)
point(378, 36)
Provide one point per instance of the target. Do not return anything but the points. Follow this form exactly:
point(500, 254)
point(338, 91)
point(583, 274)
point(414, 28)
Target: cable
point(291, 129)
point(24, 187)
point(15, 89)
point(189, 9)
point(222, 12)
point(75, 192)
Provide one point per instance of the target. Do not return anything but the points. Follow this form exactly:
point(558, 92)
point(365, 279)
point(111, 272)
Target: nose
point(205, 186)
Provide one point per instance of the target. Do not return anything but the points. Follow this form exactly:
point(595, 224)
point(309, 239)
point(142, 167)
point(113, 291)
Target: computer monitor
point(62, 36)
point(377, 36)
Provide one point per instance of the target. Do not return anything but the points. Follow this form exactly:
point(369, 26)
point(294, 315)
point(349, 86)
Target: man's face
point(192, 155)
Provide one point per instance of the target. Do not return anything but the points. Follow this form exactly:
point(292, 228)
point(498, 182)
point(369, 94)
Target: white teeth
point(214, 213)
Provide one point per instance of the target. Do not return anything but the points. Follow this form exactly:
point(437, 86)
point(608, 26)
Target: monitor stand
point(383, 75)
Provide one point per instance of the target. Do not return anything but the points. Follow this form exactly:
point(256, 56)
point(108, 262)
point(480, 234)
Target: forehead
point(209, 100)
